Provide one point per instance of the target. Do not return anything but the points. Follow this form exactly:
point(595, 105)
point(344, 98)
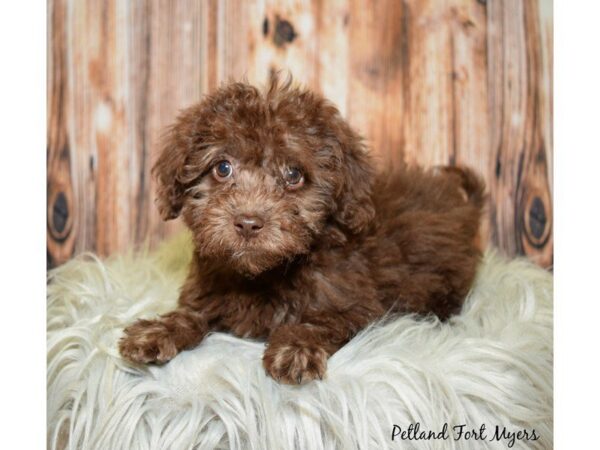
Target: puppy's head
point(260, 176)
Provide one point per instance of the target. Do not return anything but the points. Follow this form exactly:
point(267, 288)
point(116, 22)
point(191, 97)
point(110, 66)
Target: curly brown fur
point(305, 264)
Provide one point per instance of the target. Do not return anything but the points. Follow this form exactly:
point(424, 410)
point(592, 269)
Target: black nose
point(248, 226)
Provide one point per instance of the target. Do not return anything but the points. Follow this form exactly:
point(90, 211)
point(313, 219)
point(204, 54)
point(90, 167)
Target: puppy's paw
point(148, 341)
point(295, 364)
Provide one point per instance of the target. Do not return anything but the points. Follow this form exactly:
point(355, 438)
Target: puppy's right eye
point(294, 178)
point(222, 171)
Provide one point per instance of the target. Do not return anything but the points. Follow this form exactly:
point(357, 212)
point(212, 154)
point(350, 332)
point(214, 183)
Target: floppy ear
point(168, 172)
point(355, 209)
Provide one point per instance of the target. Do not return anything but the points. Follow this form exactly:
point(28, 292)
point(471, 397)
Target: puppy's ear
point(167, 171)
point(355, 209)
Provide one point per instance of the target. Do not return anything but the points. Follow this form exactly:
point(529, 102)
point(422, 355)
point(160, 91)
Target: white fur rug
point(491, 365)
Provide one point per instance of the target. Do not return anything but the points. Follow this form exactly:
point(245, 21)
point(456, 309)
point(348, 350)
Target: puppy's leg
point(161, 339)
point(297, 354)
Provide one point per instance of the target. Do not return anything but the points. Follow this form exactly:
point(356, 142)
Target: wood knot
point(284, 32)
point(59, 217)
point(537, 223)
point(537, 218)
point(498, 168)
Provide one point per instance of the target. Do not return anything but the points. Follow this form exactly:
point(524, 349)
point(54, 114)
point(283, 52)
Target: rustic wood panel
point(519, 92)
point(426, 81)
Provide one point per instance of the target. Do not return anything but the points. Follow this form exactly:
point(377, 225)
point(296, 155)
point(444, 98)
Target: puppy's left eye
point(222, 171)
point(294, 178)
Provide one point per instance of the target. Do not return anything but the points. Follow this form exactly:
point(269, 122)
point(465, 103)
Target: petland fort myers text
point(414, 432)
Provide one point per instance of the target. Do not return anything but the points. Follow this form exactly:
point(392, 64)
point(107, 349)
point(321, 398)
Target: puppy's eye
point(294, 178)
point(222, 171)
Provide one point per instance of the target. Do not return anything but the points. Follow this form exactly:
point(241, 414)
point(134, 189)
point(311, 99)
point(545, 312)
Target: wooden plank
point(139, 56)
point(505, 63)
point(469, 75)
point(534, 197)
point(178, 74)
point(62, 236)
point(101, 118)
point(469, 102)
point(519, 98)
point(379, 60)
point(429, 122)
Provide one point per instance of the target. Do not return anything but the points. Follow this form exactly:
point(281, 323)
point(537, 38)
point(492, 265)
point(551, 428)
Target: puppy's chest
point(256, 315)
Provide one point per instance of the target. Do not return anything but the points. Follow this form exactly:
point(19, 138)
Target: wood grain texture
point(425, 81)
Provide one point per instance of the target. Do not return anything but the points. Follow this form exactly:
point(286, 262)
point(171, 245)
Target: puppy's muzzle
point(248, 226)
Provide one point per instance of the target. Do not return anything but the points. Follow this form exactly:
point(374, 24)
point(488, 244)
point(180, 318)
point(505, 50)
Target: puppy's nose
point(248, 226)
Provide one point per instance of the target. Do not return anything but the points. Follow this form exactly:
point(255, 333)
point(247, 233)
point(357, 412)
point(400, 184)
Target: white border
point(577, 224)
point(577, 180)
point(23, 233)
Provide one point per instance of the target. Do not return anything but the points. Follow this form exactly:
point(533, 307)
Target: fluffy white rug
point(490, 366)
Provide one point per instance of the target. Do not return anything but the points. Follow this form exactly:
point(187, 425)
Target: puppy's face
point(259, 177)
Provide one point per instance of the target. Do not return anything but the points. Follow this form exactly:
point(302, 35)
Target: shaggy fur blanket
point(490, 366)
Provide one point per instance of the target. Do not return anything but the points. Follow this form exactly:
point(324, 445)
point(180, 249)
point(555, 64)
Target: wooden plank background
point(426, 81)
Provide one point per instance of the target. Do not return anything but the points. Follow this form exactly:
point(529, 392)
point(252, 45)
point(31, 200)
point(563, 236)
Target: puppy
point(297, 239)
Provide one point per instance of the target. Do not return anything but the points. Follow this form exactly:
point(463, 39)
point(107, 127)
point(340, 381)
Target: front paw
point(292, 363)
point(148, 341)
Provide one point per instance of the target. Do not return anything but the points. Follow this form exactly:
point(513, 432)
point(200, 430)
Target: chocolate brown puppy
point(298, 240)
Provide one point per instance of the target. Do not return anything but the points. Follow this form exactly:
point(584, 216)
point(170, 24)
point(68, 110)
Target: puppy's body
point(307, 260)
